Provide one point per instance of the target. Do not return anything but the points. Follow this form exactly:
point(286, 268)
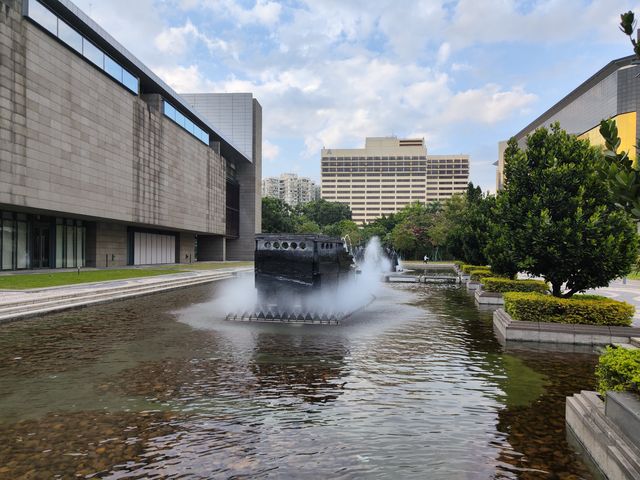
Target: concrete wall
point(211, 248)
point(72, 140)
point(186, 248)
point(250, 178)
point(110, 245)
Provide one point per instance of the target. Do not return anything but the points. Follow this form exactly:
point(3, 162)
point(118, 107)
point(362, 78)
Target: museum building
point(103, 164)
point(612, 92)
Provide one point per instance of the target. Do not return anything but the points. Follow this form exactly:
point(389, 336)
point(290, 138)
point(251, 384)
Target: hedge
point(479, 274)
point(619, 370)
point(502, 285)
point(466, 268)
point(587, 310)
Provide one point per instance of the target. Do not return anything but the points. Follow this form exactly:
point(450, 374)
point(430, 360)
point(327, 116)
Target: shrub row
point(619, 370)
point(493, 283)
point(586, 310)
point(479, 274)
point(466, 268)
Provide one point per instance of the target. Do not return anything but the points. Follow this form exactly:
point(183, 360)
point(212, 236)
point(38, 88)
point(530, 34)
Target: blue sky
point(462, 74)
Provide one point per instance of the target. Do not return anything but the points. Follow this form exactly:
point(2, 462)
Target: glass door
point(40, 246)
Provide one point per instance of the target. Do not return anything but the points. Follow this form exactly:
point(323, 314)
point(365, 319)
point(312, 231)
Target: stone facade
point(75, 143)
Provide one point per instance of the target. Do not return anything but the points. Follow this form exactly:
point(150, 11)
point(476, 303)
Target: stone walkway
point(628, 291)
point(16, 304)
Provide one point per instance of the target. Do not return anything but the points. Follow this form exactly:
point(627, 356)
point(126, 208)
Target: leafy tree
point(304, 225)
point(326, 213)
point(628, 27)
point(344, 228)
point(411, 235)
point(556, 215)
point(467, 222)
point(277, 216)
point(623, 176)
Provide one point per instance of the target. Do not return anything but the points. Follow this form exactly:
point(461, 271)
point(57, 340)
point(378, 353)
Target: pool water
point(414, 386)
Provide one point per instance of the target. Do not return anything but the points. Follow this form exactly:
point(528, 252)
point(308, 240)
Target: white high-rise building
point(388, 174)
point(290, 188)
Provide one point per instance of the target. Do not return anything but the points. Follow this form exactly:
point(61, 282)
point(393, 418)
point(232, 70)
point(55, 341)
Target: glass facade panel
point(69, 36)
point(113, 68)
point(175, 115)
point(180, 119)
point(131, 82)
point(80, 237)
point(70, 248)
point(169, 111)
point(92, 53)
point(23, 254)
point(7, 245)
point(59, 246)
point(43, 16)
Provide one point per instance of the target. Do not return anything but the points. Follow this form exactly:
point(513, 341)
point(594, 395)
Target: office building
point(612, 92)
point(388, 174)
point(290, 188)
point(101, 162)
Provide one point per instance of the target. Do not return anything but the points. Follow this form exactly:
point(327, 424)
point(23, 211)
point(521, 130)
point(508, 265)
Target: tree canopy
point(556, 217)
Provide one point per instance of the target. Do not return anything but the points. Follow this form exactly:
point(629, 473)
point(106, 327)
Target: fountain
point(311, 279)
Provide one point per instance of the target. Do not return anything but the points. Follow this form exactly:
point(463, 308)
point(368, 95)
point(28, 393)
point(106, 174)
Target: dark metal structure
point(289, 269)
point(297, 264)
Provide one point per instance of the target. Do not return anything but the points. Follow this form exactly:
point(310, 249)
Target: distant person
point(426, 259)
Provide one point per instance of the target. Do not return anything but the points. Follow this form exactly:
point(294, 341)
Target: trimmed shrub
point(497, 284)
point(458, 264)
point(592, 310)
point(479, 274)
point(466, 268)
point(619, 370)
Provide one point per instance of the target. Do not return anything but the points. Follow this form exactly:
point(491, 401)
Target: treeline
point(439, 230)
point(568, 213)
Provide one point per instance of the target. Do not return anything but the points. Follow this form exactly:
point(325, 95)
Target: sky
point(463, 74)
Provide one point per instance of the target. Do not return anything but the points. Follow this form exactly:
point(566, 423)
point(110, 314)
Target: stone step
point(635, 341)
point(56, 293)
point(87, 300)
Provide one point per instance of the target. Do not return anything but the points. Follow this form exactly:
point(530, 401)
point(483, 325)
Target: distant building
point(613, 91)
point(388, 174)
point(290, 188)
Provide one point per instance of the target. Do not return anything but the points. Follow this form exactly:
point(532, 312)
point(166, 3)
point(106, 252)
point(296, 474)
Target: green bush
point(466, 268)
point(458, 264)
point(497, 284)
point(585, 310)
point(479, 274)
point(619, 370)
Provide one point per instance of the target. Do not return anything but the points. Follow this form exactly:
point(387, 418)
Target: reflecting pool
point(415, 386)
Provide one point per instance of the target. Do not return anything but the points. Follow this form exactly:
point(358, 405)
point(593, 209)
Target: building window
point(48, 20)
point(174, 114)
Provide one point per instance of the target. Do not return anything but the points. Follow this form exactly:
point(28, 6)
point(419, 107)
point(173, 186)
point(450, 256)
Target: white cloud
point(444, 52)
point(176, 40)
point(265, 12)
point(270, 151)
point(185, 79)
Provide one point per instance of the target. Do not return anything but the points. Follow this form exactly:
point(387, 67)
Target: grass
point(55, 279)
point(634, 275)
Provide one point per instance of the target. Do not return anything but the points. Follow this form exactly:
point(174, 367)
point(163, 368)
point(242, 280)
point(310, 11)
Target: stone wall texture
point(74, 141)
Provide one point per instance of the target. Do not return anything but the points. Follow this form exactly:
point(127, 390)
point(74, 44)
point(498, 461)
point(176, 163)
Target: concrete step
point(104, 293)
point(56, 293)
point(102, 297)
point(635, 341)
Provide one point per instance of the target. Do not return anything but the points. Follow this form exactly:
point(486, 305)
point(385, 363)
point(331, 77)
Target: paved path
point(628, 291)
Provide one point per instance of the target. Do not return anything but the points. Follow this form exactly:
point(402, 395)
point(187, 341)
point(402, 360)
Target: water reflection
point(416, 386)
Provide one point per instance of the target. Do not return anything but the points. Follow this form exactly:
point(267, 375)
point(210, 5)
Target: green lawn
point(41, 280)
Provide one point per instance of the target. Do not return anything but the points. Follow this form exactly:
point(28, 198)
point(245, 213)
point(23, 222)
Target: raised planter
point(488, 298)
point(599, 431)
point(464, 277)
point(473, 285)
point(508, 329)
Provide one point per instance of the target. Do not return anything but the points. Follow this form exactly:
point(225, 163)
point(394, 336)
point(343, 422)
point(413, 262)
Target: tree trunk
point(556, 289)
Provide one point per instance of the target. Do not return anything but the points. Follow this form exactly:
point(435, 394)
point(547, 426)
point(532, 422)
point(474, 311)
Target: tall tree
point(326, 213)
point(557, 217)
point(277, 216)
